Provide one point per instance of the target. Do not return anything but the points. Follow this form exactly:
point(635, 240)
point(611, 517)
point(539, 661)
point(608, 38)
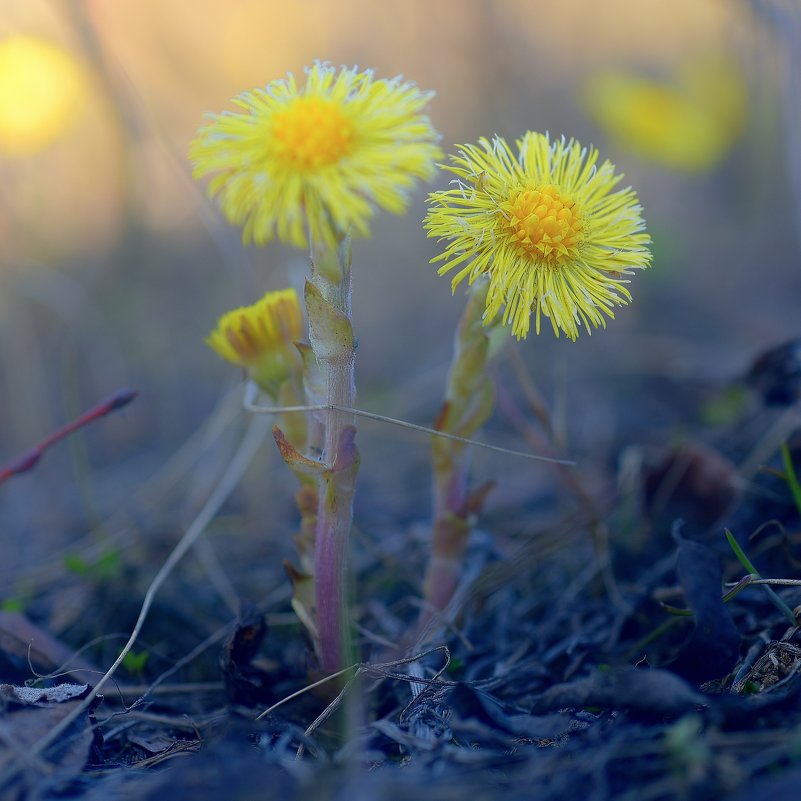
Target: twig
point(306, 689)
point(752, 580)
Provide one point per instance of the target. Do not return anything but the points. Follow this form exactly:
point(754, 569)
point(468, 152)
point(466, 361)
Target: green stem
point(790, 476)
point(469, 400)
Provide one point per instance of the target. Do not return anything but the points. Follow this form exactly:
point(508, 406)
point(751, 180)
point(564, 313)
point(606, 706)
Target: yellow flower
point(318, 158)
point(261, 338)
point(42, 89)
point(545, 227)
point(689, 123)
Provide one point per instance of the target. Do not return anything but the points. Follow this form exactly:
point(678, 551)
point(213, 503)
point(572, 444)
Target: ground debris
point(644, 694)
point(713, 646)
point(780, 664)
point(26, 715)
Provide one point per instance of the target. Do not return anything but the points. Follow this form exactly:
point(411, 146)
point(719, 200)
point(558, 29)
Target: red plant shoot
point(28, 460)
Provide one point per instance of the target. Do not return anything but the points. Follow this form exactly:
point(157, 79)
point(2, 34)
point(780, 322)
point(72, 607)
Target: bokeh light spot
point(42, 89)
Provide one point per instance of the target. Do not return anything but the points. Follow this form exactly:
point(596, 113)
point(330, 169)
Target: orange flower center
point(312, 132)
point(544, 222)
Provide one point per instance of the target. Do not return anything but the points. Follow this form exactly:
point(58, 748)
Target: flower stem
point(469, 400)
point(328, 303)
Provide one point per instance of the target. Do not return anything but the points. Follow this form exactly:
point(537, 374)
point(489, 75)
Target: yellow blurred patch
point(689, 123)
point(42, 90)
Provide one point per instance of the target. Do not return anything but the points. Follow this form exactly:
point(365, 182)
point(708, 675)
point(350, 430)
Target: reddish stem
point(30, 458)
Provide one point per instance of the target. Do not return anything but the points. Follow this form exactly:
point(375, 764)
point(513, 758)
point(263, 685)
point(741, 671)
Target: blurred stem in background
point(786, 19)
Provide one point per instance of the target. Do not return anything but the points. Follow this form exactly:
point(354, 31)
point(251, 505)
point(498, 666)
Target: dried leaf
point(245, 683)
point(711, 650)
point(645, 694)
point(294, 459)
point(26, 716)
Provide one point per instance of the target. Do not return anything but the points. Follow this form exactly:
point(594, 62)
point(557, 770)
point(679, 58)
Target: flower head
point(545, 226)
point(261, 338)
point(321, 156)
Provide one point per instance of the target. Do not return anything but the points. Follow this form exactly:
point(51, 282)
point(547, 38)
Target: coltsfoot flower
point(261, 338)
point(545, 227)
point(318, 158)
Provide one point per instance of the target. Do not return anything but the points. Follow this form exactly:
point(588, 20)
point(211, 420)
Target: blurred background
point(114, 266)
